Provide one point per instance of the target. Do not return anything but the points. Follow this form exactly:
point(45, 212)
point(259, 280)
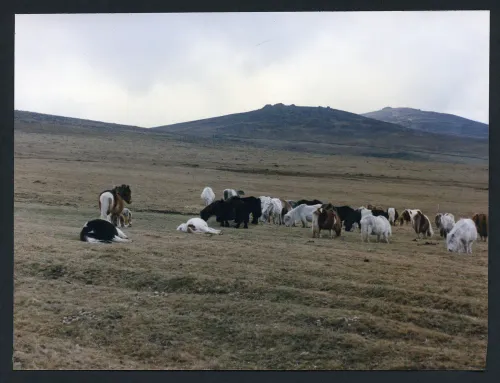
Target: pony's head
point(210, 210)
point(125, 192)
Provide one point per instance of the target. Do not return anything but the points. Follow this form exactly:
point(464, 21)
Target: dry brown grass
point(265, 298)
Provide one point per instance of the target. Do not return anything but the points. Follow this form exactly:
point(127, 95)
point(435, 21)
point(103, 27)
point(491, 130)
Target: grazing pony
point(461, 237)
point(323, 219)
point(265, 201)
point(422, 225)
point(197, 226)
point(444, 222)
point(286, 207)
point(232, 209)
point(407, 216)
point(481, 222)
point(302, 212)
point(343, 211)
point(276, 211)
point(379, 226)
point(112, 202)
point(272, 208)
point(393, 216)
point(253, 205)
point(265, 206)
point(126, 217)
point(101, 231)
point(208, 196)
point(229, 193)
point(355, 217)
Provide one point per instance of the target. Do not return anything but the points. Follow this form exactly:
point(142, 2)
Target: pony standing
point(112, 202)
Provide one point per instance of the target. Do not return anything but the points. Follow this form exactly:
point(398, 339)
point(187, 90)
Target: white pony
point(208, 196)
point(197, 226)
point(392, 215)
point(461, 237)
point(444, 223)
point(379, 226)
point(301, 213)
point(276, 211)
point(266, 206)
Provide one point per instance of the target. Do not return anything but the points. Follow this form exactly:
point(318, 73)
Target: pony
point(302, 212)
point(323, 219)
point(393, 215)
point(207, 195)
point(126, 217)
point(112, 202)
point(461, 237)
point(481, 222)
point(422, 225)
point(444, 222)
point(228, 210)
point(379, 226)
point(197, 226)
point(101, 231)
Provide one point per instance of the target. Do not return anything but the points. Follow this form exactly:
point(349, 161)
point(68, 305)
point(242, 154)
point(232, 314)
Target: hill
point(431, 122)
point(328, 130)
point(292, 128)
point(33, 118)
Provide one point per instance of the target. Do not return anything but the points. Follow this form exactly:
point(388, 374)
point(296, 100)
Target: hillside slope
point(326, 129)
point(431, 122)
point(33, 118)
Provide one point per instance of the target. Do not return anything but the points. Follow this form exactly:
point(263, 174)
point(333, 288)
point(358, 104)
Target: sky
point(157, 69)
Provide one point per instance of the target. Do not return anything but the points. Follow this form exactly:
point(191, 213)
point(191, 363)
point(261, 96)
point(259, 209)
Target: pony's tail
point(430, 232)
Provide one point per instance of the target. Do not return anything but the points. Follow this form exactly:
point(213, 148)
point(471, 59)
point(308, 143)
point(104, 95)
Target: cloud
point(156, 69)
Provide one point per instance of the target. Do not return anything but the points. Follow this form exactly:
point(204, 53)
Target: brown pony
point(112, 202)
point(404, 217)
point(481, 221)
point(326, 220)
point(422, 225)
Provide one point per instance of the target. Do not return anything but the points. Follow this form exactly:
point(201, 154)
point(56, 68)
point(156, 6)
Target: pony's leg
point(245, 222)
point(121, 234)
point(118, 239)
point(378, 237)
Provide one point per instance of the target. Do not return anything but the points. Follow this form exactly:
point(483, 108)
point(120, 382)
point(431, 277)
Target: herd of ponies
point(235, 207)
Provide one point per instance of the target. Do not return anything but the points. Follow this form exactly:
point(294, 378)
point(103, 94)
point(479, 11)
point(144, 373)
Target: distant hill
point(280, 127)
point(328, 130)
point(34, 118)
point(431, 122)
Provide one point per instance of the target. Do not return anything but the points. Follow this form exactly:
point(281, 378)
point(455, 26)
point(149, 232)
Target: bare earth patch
point(264, 298)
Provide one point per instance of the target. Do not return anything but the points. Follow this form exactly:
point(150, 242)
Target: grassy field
point(264, 298)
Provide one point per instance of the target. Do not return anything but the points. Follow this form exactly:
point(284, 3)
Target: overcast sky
point(157, 69)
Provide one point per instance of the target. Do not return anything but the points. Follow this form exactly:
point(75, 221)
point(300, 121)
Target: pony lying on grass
point(102, 231)
point(197, 226)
